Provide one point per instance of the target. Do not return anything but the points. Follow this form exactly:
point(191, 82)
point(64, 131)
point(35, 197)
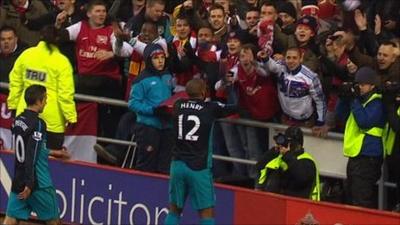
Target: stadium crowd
point(296, 62)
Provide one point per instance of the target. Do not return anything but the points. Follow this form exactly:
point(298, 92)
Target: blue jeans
point(254, 141)
point(234, 146)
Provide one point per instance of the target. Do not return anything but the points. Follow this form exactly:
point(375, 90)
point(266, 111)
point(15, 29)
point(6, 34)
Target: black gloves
point(161, 113)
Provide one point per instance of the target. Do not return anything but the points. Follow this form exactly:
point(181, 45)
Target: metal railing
point(121, 103)
point(280, 127)
point(245, 122)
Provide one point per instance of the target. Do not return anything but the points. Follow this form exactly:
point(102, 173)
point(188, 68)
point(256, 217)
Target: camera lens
point(281, 139)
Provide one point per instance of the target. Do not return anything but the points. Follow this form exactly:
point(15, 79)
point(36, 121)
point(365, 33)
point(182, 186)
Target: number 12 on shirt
point(182, 122)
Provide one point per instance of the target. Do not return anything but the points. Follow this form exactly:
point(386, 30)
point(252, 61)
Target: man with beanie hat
point(303, 38)
point(309, 22)
point(287, 15)
point(239, 35)
point(235, 40)
point(363, 143)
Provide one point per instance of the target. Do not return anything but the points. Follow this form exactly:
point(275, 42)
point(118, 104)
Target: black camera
point(282, 140)
point(348, 90)
point(392, 87)
point(391, 90)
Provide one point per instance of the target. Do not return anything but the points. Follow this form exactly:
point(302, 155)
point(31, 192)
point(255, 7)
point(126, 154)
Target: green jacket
point(389, 137)
point(279, 164)
point(354, 136)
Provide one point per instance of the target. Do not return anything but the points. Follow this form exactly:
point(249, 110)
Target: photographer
point(288, 169)
point(363, 139)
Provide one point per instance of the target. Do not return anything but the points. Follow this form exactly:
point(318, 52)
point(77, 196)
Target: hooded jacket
point(150, 89)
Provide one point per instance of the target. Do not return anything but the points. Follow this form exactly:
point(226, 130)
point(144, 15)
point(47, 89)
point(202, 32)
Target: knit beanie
point(367, 75)
point(237, 34)
point(288, 8)
point(310, 22)
point(309, 7)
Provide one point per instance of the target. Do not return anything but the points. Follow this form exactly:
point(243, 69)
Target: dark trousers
point(55, 141)
point(102, 86)
point(125, 130)
point(154, 148)
point(362, 174)
point(393, 163)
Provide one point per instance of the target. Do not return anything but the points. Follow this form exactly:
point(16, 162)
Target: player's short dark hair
point(8, 28)
point(93, 3)
point(34, 93)
point(295, 49)
point(152, 24)
point(268, 3)
point(183, 15)
point(50, 35)
point(295, 134)
point(252, 9)
point(216, 6)
point(249, 46)
point(205, 25)
point(195, 87)
point(389, 43)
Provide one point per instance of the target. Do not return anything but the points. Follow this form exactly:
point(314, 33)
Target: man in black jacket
point(288, 169)
point(10, 49)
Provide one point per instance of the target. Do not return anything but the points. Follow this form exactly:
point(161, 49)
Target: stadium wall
point(93, 194)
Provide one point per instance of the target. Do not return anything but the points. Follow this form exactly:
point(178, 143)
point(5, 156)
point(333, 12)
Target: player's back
point(31, 167)
point(193, 121)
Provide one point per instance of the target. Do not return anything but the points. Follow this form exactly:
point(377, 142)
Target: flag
point(80, 138)
point(5, 124)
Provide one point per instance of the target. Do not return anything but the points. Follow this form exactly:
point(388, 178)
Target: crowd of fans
point(285, 61)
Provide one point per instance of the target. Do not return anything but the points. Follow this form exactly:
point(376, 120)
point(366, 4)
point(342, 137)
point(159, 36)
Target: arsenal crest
point(101, 39)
